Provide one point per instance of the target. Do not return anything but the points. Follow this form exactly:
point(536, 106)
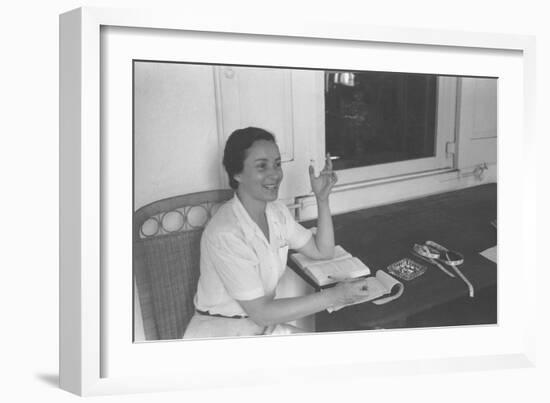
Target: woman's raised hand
point(322, 184)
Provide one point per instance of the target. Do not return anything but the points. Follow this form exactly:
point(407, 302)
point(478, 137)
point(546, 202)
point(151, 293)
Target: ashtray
point(406, 269)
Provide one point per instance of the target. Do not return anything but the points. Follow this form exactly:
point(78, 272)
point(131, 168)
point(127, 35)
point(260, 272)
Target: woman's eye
point(264, 166)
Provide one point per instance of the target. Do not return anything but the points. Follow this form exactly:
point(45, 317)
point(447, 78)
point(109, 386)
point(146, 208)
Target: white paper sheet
point(490, 254)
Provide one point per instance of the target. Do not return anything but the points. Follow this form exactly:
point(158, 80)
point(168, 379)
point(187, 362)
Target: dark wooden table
point(459, 220)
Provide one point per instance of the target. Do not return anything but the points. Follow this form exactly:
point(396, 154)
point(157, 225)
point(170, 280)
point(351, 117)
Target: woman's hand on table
point(350, 291)
point(322, 184)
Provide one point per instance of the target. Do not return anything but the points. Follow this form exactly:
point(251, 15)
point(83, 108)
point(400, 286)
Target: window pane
point(379, 117)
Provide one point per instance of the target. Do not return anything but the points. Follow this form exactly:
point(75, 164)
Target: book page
point(304, 261)
point(387, 280)
point(391, 284)
point(339, 270)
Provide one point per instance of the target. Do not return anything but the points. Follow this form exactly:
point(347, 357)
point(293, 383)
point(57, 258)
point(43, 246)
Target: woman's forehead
point(263, 149)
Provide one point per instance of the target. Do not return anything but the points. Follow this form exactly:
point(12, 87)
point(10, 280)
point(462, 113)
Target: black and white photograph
point(276, 200)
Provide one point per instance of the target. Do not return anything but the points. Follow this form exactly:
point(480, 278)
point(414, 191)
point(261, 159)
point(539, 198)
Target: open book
point(324, 272)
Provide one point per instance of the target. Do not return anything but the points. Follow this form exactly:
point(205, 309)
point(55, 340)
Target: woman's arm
point(267, 311)
point(321, 246)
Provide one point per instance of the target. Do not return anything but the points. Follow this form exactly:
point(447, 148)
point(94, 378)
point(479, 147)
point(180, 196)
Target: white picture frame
point(83, 350)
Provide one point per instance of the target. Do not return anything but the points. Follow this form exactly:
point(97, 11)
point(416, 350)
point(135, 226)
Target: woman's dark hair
point(234, 153)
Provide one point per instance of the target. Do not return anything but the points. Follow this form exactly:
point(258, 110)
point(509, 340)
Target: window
point(383, 124)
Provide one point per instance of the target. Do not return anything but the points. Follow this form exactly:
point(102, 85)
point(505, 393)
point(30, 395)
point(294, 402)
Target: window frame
point(445, 133)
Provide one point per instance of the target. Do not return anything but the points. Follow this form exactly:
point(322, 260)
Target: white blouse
point(237, 261)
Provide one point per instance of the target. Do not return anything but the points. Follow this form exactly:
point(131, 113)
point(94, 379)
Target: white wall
point(184, 113)
point(175, 138)
point(29, 166)
point(477, 127)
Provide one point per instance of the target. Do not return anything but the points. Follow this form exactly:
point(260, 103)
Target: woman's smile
point(274, 186)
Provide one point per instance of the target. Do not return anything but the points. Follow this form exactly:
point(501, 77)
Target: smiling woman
point(257, 174)
point(245, 245)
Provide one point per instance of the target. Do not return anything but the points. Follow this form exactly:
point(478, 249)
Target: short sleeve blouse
point(238, 262)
